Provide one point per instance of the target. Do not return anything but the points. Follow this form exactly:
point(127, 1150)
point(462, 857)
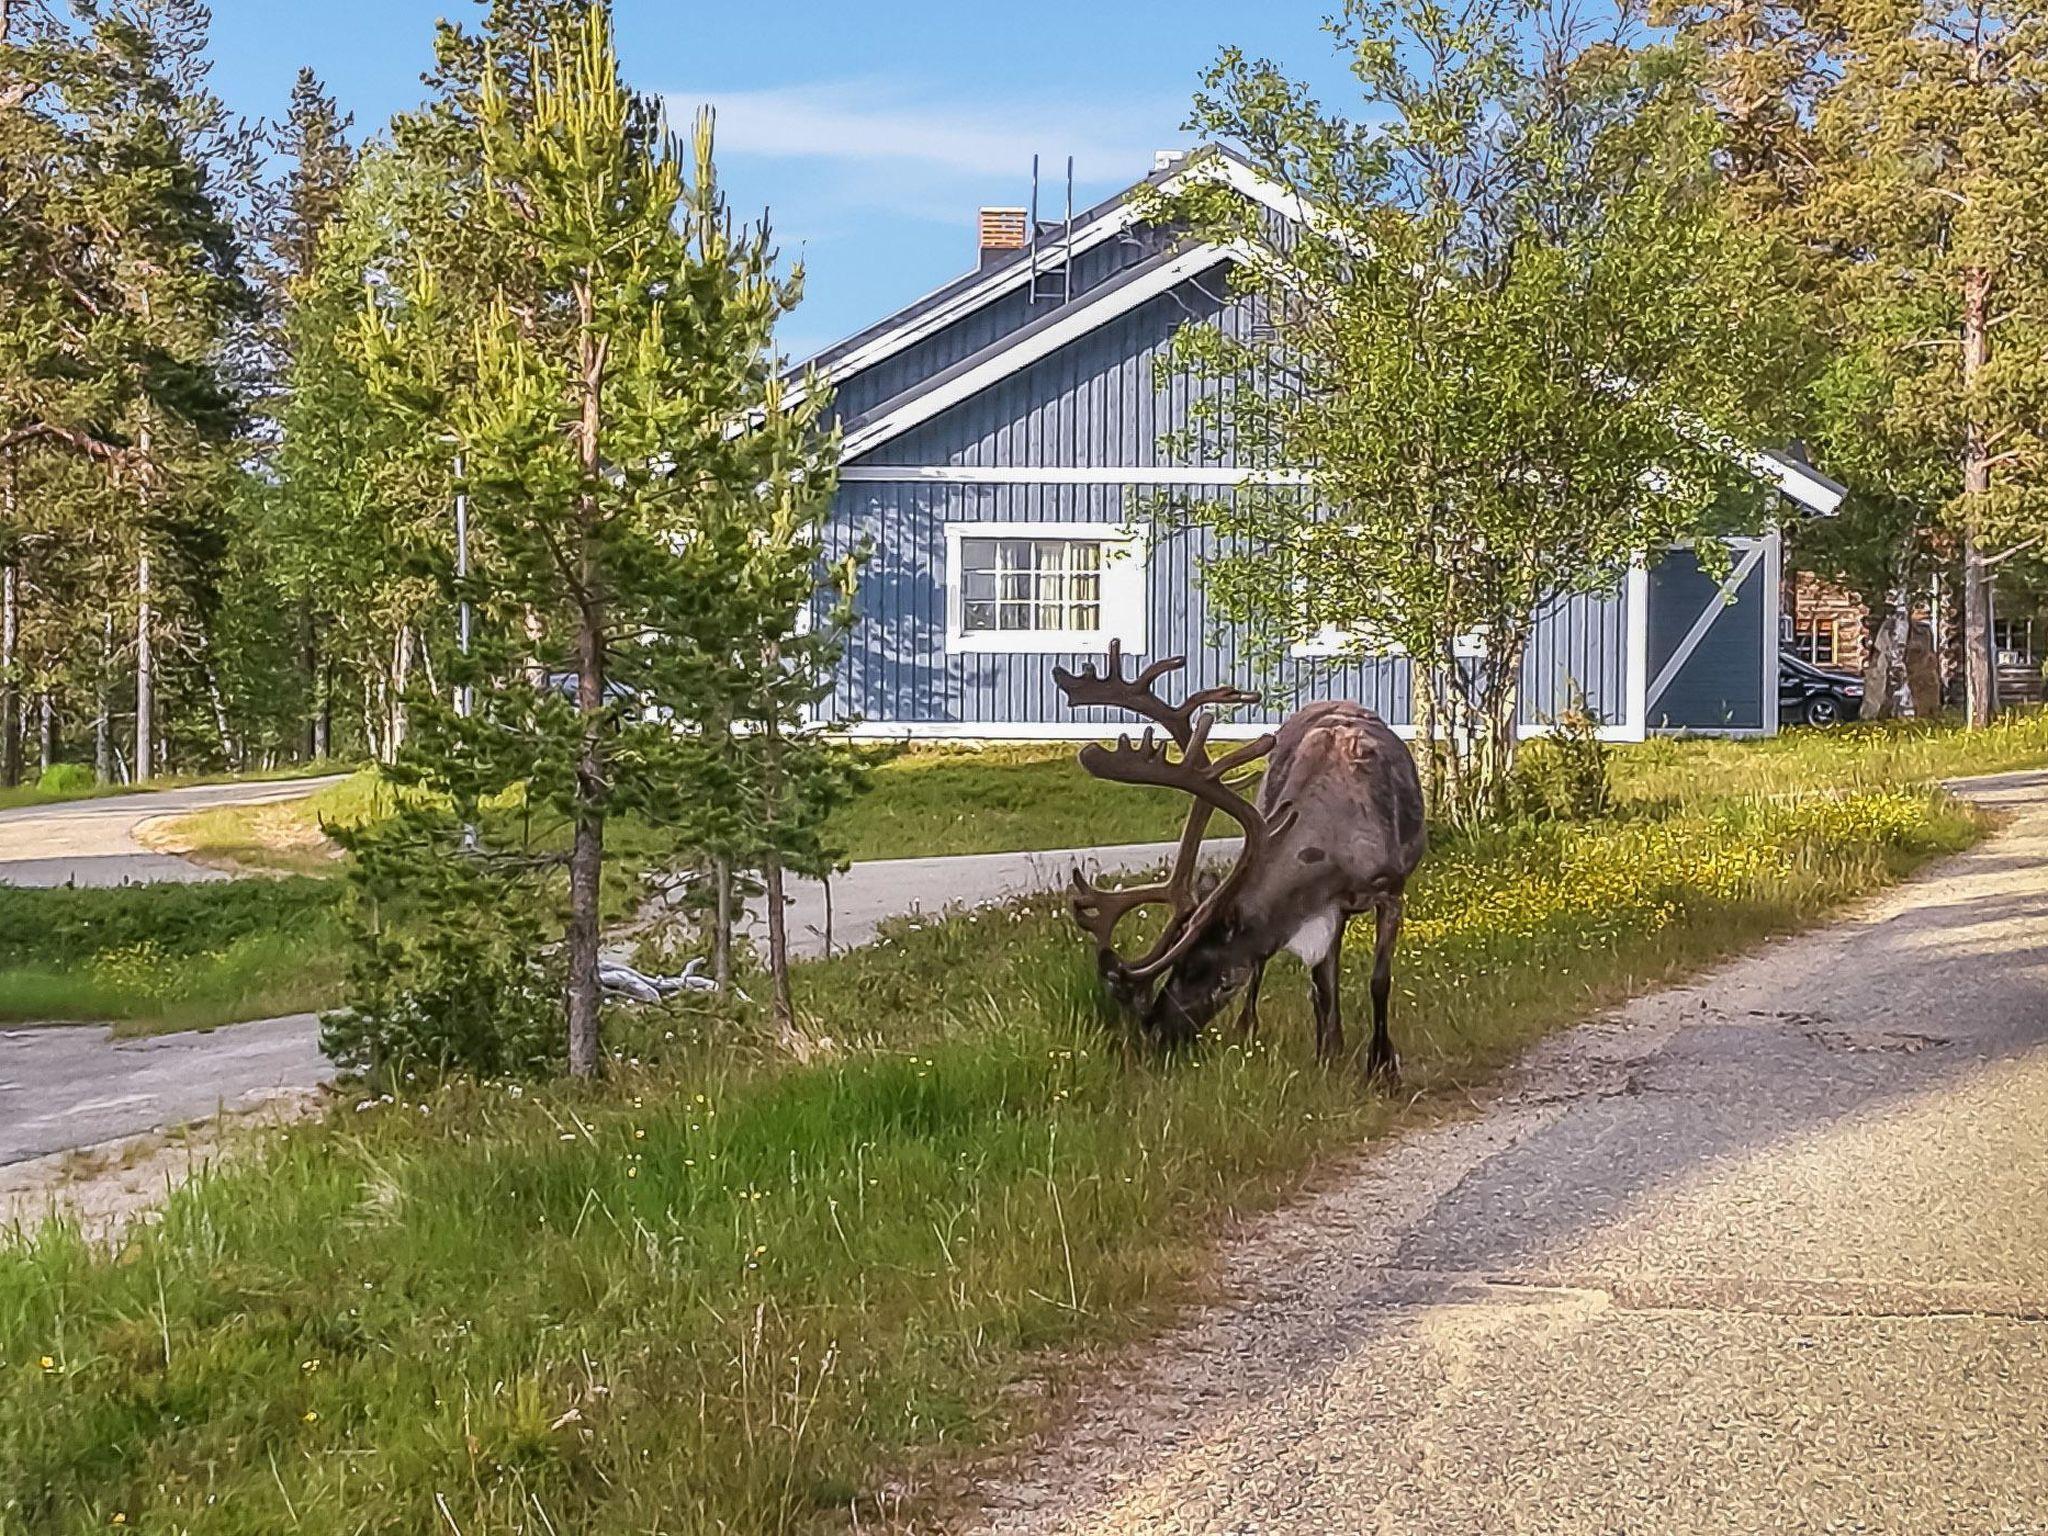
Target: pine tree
point(1935, 142)
point(124, 352)
point(650, 560)
point(1897, 154)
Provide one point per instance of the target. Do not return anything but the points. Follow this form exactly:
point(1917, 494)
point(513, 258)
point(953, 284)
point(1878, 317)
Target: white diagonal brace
point(1704, 622)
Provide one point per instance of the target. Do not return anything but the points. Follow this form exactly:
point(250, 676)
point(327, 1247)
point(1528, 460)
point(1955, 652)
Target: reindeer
point(1336, 831)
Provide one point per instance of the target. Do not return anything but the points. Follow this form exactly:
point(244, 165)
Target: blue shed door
point(1714, 642)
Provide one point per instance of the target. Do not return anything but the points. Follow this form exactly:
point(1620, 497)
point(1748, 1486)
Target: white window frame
point(1334, 643)
point(1124, 565)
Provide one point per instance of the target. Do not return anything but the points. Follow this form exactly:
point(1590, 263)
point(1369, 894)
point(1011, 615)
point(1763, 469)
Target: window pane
point(1026, 584)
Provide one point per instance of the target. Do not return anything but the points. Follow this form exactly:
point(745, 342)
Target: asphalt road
point(1768, 1253)
point(73, 1086)
point(92, 842)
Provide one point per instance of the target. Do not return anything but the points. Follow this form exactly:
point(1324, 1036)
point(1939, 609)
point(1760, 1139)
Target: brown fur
point(1357, 835)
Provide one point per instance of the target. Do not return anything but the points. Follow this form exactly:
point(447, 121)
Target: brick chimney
point(1002, 231)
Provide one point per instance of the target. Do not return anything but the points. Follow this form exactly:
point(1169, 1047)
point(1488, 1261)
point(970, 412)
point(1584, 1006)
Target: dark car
point(1810, 695)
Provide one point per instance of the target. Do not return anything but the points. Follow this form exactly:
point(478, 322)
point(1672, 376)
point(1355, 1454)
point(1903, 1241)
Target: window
point(1818, 643)
point(1044, 586)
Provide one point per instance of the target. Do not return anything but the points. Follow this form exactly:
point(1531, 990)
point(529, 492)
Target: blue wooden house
point(999, 432)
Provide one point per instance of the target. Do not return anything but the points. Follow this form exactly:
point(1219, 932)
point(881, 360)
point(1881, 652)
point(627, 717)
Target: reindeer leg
point(1248, 1018)
point(1329, 1016)
point(1379, 1057)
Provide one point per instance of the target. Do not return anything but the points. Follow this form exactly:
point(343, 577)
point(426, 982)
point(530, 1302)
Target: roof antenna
point(1060, 289)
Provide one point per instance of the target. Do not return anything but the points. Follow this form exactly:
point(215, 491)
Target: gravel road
point(1764, 1253)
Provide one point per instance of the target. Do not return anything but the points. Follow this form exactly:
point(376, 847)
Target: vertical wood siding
point(990, 323)
point(1104, 402)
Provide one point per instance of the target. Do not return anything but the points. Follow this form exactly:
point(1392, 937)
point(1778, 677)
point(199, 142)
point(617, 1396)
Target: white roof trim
point(1798, 481)
point(1214, 166)
point(1066, 474)
point(1069, 324)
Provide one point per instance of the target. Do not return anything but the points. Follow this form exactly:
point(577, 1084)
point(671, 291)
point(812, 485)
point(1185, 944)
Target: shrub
point(456, 965)
point(66, 779)
point(1565, 776)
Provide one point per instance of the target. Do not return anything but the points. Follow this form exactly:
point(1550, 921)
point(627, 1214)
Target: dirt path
point(93, 842)
point(1765, 1253)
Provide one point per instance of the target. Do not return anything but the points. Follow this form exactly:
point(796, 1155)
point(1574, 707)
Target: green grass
point(152, 958)
point(1670, 771)
point(725, 1292)
point(949, 800)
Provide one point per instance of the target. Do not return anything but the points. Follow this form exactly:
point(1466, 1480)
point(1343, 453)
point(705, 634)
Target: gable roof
point(1092, 227)
point(1026, 345)
point(1018, 349)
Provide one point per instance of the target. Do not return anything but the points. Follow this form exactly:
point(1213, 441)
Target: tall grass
point(727, 1291)
point(169, 956)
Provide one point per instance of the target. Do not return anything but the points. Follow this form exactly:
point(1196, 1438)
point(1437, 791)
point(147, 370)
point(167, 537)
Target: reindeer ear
point(1206, 882)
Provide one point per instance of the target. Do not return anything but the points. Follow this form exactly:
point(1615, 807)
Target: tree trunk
point(586, 858)
point(401, 679)
point(1980, 678)
point(10, 674)
point(46, 731)
point(323, 711)
point(1881, 665)
point(231, 754)
point(309, 664)
point(1923, 670)
point(145, 668)
point(778, 947)
point(103, 705)
point(721, 938)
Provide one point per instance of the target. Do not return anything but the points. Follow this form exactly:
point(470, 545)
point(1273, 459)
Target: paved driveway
point(92, 842)
point(1767, 1253)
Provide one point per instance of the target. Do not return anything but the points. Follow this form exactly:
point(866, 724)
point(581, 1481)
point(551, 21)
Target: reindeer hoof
point(1383, 1071)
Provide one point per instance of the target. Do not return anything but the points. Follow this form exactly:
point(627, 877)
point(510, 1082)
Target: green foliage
point(654, 615)
point(67, 926)
point(477, 1302)
point(169, 956)
point(1565, 776)
point(452, 969)
point(65, 779)
point(1518, 334)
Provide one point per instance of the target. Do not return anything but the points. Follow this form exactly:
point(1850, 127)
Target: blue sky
point(871, 132)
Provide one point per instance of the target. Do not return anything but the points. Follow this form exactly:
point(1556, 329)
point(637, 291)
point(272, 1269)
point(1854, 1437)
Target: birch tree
point(1515, 338)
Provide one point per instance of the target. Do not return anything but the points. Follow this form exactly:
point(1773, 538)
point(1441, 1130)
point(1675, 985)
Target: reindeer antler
point(1098, 910)
point(1110, 689)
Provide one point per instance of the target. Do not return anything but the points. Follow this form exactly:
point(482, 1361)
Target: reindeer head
point(1201, 966)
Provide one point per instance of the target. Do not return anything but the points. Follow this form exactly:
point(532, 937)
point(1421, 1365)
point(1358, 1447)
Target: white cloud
point(884, 123)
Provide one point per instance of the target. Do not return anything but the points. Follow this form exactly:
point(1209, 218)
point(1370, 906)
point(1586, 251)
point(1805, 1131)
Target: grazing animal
point(1336, 831)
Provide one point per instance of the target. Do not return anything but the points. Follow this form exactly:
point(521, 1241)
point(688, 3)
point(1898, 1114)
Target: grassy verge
point(946, 800)
point(932, 801)
point(169, 956)
point(728, 1292)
